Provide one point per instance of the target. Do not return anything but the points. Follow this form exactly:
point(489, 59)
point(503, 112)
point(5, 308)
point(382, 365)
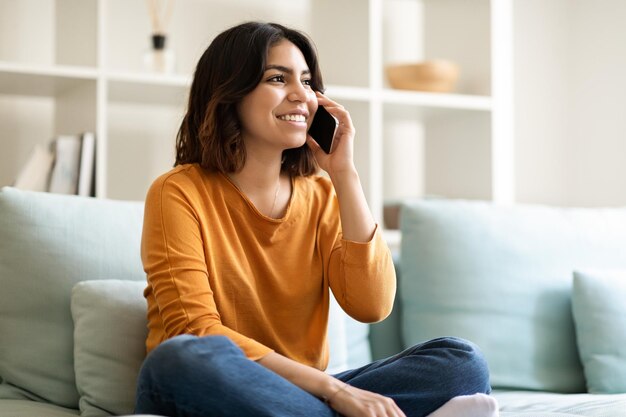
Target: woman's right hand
point(350, 401)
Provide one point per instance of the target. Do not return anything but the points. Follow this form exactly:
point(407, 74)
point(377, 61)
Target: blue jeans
point(189, 376)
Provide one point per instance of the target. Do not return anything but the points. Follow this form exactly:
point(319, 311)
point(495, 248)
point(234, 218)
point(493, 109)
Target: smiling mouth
point(293, 118)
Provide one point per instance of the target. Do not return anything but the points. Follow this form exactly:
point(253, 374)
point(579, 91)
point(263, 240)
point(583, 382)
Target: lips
point(293, 117)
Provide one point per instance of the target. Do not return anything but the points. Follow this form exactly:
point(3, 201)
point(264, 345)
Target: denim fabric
point(190, 376)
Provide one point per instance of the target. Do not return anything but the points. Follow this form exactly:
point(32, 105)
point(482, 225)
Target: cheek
point(311, 98)
point(250, 113)
point(243, 111)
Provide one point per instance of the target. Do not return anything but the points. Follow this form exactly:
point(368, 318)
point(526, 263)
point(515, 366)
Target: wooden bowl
point(433, 76)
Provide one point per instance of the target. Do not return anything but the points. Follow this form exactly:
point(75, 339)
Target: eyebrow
point(285, 69)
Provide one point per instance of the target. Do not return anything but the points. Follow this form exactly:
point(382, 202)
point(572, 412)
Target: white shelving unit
point(86, 75)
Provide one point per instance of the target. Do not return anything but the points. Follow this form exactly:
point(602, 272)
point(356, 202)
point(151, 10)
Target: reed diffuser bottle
point(159, 58)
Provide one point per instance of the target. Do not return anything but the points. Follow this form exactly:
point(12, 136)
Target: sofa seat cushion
point(26, 408)
point(48, 243)
point(546, 404)
point(501, 276)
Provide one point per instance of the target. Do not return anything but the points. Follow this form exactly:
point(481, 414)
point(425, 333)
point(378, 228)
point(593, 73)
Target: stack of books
point(66, 166)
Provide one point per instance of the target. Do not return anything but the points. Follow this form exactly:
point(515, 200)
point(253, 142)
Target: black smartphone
point(322, 128)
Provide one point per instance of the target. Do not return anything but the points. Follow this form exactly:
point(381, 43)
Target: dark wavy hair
point(231, 67)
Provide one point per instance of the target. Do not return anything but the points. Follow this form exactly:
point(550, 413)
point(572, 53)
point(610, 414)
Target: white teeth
point(293, 117)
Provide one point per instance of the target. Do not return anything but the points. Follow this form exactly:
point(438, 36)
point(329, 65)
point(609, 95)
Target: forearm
point(357, 223)
point(342, 397)
point(309, 379)
point(364, 282)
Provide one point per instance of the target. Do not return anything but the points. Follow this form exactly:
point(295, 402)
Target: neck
point(262, 183)
point(258, 174)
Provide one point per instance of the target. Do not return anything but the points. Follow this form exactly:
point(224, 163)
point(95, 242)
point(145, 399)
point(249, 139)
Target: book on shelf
point(66, 166)
point(87, 165)
point(74, 167)
point(35, 174)
point(64, 175)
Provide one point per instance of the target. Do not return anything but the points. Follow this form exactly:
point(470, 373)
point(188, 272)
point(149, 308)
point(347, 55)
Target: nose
point(298, 93)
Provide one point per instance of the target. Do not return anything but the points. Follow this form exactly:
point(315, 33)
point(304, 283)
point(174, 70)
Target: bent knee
point(465, 361)
point(458, 347)
point(181, 354)
point(475, 367)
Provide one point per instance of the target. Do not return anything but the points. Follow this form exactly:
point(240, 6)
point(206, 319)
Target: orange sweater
point(216, 265)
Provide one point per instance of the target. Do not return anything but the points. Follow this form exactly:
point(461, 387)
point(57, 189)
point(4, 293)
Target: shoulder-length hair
point(231, 67)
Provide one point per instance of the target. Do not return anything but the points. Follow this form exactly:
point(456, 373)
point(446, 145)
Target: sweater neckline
point(250, 204)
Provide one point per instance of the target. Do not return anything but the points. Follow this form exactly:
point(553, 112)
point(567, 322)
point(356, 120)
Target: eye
point(307, 82)
point(280, 78)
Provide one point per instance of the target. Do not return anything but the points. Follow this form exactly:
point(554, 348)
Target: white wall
point(569, 102)
point(598, 94)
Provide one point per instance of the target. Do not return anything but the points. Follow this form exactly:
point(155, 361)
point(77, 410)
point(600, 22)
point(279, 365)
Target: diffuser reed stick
point(160, 16)
point(159, 58)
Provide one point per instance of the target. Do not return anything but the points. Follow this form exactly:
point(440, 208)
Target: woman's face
point(278, 112)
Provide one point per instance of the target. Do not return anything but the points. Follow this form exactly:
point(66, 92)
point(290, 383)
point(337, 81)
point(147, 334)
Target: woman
point(242, 243)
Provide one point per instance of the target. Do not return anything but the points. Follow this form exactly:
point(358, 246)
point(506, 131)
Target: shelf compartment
point(344, 55)
point(436, 153)
point(141, 139)
point(169, 90)
point(421, 30)
point(49, 32)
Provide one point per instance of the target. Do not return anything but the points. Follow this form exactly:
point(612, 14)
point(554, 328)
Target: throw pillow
point(599, 307)
point(110, 330)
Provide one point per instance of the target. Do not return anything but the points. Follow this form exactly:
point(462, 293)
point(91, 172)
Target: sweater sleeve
point(173, 255)
point(361, 274)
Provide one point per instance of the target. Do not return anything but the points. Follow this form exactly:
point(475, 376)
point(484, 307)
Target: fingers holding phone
point(332, 152)
point(339, 112)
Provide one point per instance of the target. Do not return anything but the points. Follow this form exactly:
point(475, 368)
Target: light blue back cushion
point(501, 277)
point(599, 307)
point(48, 243)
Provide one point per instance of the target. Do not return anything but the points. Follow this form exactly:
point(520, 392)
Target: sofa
point(537, 288)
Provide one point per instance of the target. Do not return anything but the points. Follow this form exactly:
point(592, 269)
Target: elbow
point(199, 326)
point(176, 327)
point(373, 308)
point(368, 314)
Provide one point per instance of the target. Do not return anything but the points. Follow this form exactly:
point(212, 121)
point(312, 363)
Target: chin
point(296, 143)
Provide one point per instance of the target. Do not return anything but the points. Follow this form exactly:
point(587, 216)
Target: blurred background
point(533, 111)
